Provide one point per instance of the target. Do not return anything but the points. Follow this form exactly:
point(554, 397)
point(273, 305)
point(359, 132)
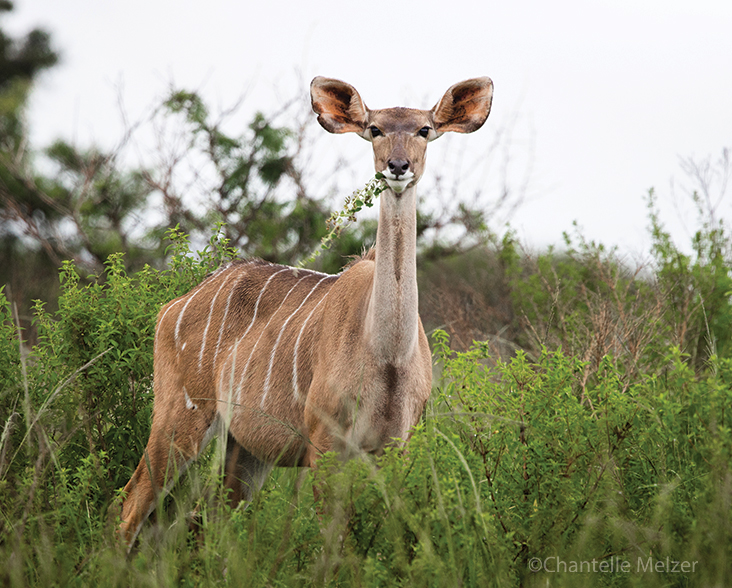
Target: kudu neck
point(392, 317)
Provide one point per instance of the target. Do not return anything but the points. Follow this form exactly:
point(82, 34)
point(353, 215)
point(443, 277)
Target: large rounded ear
point(464, 107)
point(338, 106)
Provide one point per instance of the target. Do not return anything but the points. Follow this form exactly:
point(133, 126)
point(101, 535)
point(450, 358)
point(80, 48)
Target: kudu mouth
point(398, 183)
point(399, 175)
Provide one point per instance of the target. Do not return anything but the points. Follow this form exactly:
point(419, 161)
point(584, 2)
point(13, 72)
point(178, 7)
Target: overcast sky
point(601, 98)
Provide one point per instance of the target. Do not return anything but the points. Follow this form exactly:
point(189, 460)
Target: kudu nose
point(398, 166)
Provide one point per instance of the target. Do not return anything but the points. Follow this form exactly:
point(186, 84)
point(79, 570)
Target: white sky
point(606, 94)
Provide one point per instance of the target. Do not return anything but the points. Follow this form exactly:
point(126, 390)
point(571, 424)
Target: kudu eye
point(424, 132)
point(375, 132)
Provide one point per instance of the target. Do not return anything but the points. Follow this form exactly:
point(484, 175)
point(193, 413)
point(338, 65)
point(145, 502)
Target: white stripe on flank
point(315, 272)
point(221, 269)
point(160, 323)
point(223, 322)
point(180, 316)
point(264, 330)
point(254, 316)
point(277, 342)
point(295, 390)
point(189, 402)
point(227, 404)
point(208, 323)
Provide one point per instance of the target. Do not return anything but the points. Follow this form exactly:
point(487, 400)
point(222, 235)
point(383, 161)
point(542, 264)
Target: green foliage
point(9, 349)
point(105, 210)
point(587, 300)
point(515, 460)
point(21, 61)
point(87, 395)
point(696, 287)
point(248, 169)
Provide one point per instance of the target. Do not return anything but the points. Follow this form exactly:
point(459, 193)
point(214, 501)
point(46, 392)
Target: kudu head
point(400, 135)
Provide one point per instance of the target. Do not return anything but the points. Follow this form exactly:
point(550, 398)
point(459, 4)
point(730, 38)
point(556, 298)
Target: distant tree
point(23, 254)
point(89, 203)
point(21, 60)
point(252, 182)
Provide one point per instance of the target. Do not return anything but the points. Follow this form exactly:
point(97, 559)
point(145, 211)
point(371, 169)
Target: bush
point(85, 393)
point(586, 472)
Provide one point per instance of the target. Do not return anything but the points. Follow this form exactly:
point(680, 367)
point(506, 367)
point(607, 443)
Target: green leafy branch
point(353, 204)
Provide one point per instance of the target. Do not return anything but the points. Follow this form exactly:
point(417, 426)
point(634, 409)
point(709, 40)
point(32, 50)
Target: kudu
point(290, 363)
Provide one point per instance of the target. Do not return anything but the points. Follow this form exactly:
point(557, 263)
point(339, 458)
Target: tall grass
point(598, 456)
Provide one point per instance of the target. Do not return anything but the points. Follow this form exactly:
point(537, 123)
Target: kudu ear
point(338, 106)
point(464, 107)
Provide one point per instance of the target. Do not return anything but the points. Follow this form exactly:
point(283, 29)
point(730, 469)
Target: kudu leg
point(170, 449)
point(244, 474)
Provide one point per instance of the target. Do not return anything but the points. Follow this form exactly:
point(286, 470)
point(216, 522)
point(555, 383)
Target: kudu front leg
point(244, 474)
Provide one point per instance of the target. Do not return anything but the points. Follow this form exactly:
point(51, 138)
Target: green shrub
point(590, 302)
point(585, 472)
point(86, 399)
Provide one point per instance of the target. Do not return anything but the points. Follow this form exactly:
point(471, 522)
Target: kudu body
point(290, 363)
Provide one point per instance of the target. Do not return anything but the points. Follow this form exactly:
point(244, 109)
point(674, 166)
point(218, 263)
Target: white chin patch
point(398, 186)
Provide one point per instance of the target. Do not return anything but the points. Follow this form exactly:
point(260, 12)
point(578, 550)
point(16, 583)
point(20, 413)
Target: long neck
point(392, 317)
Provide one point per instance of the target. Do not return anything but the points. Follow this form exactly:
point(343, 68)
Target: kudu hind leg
point(169, 452)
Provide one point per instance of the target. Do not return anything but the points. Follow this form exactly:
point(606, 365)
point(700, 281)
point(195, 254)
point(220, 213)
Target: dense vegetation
point(601, 436)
